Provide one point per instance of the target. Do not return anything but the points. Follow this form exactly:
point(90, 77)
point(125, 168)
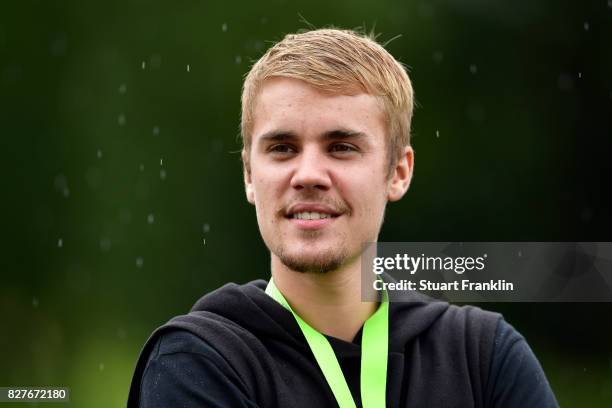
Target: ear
point(401, 175)
point(248, 182)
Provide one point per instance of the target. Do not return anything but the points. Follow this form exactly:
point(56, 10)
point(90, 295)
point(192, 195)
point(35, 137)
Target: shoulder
point(516, 377)
point(468, 329)
point(428, 317)
point(473, 322)
point(176, 351)
point(471, 315)
point(180, 341)
point(183, 368)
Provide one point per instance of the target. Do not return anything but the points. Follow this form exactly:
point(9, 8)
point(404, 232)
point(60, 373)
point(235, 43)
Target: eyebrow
point(288, 136)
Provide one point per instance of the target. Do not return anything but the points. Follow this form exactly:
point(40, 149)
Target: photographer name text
point(500, 285)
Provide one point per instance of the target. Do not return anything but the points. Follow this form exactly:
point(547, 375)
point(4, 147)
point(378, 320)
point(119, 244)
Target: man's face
point(318, 174)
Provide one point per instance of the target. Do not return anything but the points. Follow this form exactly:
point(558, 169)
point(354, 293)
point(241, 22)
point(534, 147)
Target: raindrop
point(586, 215)
point(59, 46)
point(205, 228)
point(203, 241)
point(60, 183)
point(121, 119)
point(473, 68)
point(475, 113)
point(188, 68)
point(60, 243)
point(437, 133)
point(101, 366)
point(143, 65)
point(580, 75)
point(12, 73)
point(161, 161)
point(586, 26)
point(162, 174)
point(150, 218)
point(35, 302)
point(238, 59)
point(105, 244)
point(426, 11)
point(217, 145)
point(125, 216)
point(155, 61)
point(99, 154)
point(122, 88)
point(565, 82)
point(139, 262)
point(156, 130)
point(94, 177)
point(141, 167)
point(224, 27)
point(438, 56)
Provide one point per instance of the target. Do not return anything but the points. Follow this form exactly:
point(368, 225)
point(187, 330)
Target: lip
point(311, 207)
point(311, 225)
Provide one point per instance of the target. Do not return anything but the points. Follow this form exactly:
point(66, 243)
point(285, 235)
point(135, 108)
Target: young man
point(326, 124)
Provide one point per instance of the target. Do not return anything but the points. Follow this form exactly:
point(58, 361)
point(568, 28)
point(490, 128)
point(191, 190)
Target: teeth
point(311, 216)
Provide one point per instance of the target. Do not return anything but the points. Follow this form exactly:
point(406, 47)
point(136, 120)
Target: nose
point(311, 171)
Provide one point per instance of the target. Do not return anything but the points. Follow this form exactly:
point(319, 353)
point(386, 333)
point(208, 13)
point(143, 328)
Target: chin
point(313, 263)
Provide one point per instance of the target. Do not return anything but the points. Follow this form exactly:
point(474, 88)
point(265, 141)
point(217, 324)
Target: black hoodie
point(239, 348)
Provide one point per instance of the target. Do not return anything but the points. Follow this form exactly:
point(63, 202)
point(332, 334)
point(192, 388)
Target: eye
point(342, 148)
point(281, 149)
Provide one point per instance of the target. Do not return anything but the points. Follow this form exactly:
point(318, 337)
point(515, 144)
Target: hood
point(250, 307)
point(238, 309)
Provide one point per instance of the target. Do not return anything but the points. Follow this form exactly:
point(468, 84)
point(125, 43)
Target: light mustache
point(336, 206)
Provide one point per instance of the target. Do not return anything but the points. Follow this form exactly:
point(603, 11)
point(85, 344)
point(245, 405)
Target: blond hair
point(337, 61)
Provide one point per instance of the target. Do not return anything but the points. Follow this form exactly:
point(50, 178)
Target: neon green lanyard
point(374, 354)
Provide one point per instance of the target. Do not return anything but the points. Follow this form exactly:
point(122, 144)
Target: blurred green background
point(122, 194)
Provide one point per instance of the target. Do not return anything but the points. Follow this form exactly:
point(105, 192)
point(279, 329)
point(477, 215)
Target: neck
point(329, 302)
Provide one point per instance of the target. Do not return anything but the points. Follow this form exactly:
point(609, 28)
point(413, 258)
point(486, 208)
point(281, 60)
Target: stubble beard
point(329, 261)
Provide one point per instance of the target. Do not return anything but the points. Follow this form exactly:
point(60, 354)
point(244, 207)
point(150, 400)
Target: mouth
point(311, 217)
